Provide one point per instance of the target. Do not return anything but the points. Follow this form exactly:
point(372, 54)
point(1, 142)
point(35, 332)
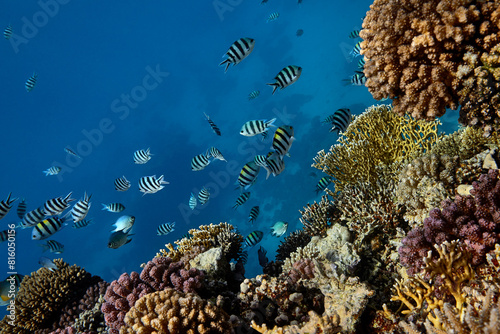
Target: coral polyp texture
point(173, 312)
point(317, 217)
point(377, 136)
point(413, 50)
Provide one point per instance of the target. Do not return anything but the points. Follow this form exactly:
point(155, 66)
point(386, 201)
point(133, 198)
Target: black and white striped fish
point(248, 174)
point(47, 227)
point(21, 209)
point(275, 164)
point(355, 52)
point(253, 94)
point(151, 184)
point(273, 16)
point(113, 207)
point(260, 160)
point(361, 63)
point(283, 139)
point(4, 235)
point(7, 33)
point(254, 238)
point(122, 184)
point(340, 120)
point(200, 161)
point(142, 156)
point(286, 77)
point(54, 170)
point(192, 201)
point(354, 33)
point(243, 258)
point(165, 229)
point(358, 79)
point(203, 196)
point(33, 217)
point(323, 183)
point(57, 205)
point(54, 247)
point(81, 208)
point(241, 199)
point(238, 51)
point(254, 213)
point(6, 205)
point(254, 127)
point(82, 223)
point(71, 152)
point(215, 153)
point(31, 82)
point(214, 127)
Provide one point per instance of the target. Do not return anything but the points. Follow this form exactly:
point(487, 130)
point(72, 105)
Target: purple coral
point(303, 268)
point(473, 219)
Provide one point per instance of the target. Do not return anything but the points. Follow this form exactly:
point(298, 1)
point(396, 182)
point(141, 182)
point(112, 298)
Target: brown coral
point(173, 312)
point(317, 217)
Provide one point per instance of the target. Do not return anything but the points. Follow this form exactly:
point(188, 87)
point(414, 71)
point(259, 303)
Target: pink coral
point(303, 268)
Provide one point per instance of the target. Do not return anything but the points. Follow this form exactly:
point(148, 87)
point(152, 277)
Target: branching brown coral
point(317, 217)
point(295, 240)
point(172, 312)
point(377, 136)
point(315, 325)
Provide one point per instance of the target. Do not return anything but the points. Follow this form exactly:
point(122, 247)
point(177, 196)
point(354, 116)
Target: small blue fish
point(7, 33)
point(31, 82)
point(253, 94)
point(354, 33)
point(273, 16)
point(47, 263)
point(118, 239)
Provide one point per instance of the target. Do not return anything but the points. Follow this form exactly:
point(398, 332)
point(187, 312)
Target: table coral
point(413, 50)
point(377, 136)
point(173, 312)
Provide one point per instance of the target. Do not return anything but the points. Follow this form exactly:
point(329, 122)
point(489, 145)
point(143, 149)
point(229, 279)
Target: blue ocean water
point(115, 77)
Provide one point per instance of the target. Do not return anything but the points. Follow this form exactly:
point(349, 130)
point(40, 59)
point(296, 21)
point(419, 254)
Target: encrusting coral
point(413, 50)
point(172, 312)
point(377, 136)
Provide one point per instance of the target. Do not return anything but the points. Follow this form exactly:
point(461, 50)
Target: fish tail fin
point(227, 62)
point(271, 122)
point(45, 247)
point(104, 206)
point(274, 85)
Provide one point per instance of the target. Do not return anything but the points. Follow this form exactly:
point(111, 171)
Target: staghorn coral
point(424, 183)
point(473, 219)
point(413, 50)
point(377, 136)
point(317, 217)
point(43, 294)
point(295, 240)
point(173, 312)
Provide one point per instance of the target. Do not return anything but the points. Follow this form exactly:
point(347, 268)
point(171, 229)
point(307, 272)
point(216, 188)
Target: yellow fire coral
point(173, 312)
point(377, 136)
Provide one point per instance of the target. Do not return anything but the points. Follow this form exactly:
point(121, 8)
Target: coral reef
point(44, 294)
point(473, 219)
point(295, 240)
point(413, 50)
point(377, 136)
point(173, 312)
point(315, 325)
point(318, 217)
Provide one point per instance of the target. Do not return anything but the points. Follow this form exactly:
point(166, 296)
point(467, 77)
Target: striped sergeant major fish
point(253, 238)
point(358, 79)
point(203, 196)
point(361, 63)
point(33, 217)
point(57, 205)
point(52, 246)
point(9, 288)
point(48, 227)
point(340, 120)
point(165, 229)
point(31, 82)
point(200, 161)
point(113, 207)
point(253, 94)
point(142, 156)
point(214, 127)
point(273, 16)
point(215, 153)
point(81, 208)
point(5, 234)
point(122, 184)
point(248, 175)
point(254, 213)
point(238, 51)
point(286, 77)
point(192, 201)
point(54, 170)
point(275, 164)
point(243, 257)
point(82, 223)
point(354, 33)
point(255, 127)
point(6, 205)
point(260, 160)
point(21, 209)
point(283, 139)
point(151, 184)
point(71, 152)
point(241, 199)
point(323, 183)
point(7, 32)
point(356, 50)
